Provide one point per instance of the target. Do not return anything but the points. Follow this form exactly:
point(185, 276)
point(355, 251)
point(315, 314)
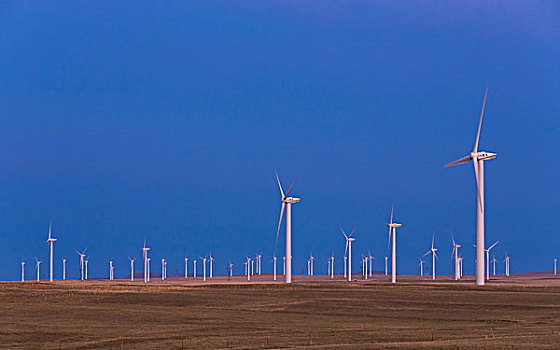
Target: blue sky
point(128, 120)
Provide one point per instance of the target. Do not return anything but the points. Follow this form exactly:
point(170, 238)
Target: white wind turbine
point(37, 266)
point(332, 265)
point(162, 269)
point(478, 158)
point(494, 263)
point(86, 262)
point(274, 268)
point(421, 264)
point(434, 257)
point(287, 203)
point(186, 267)
point(50, 242)
point(248, 268)
point(63, 269)
point(554, 266)
point(131, 268)
point(203, 268)
point(349, 240)
point(371, 258)
point(455, 252)
point(82, 256)
point(111, 269)
point(488, 259)
point(211, 265)
point(393, 225)
point(386, 265)
point(230, 269)
point(194, 268)
point(145, 251)
point(23, 271)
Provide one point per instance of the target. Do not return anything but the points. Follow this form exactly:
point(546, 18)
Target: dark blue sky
point(167, 120)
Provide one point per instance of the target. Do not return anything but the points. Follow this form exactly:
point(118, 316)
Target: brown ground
point(522, 312)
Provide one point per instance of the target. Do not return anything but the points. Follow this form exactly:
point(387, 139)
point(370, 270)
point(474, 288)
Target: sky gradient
point(165, 121)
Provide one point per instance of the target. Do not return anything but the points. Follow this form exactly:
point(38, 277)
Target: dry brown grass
point(313, 315)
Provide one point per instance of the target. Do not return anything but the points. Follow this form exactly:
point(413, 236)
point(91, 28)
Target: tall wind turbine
point(488, 259)
point(274, 268)
point(434, 257)
point(421, 264)
point(478, 158)
point(82, 256)
point(554, 266)
point(455, 251)
point(23, 271)
point(145, 251)
point(186, 267)
point(393, 225)
point(131, 268)
point(37, 266)
point(50, 242)
point(349, 240)
point(287, 203)
point(86, 263)
point(506, 260)
point(211, 265)
point(111, 269)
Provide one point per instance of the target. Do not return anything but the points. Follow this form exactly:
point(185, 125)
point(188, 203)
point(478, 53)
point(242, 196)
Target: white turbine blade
point(50, 226)
point(480, 122)
point(433, 237)
point(344, 233)
point(289, 189)
point(463, 160)
point(475, 166)
point(389, 239)
point(279, 185)
point(351, 233)
point(435, 254)
point(279, 224)
point(493, 245)
point(453, 239)
point(346, 249)
point(428, 252)
point(392, 208)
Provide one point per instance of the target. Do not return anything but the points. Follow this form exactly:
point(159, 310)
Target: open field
point(519, 313)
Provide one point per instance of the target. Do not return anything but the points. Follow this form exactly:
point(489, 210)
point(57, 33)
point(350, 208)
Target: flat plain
point(313, 313)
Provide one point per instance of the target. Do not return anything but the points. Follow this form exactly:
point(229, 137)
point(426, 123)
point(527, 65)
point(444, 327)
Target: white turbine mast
point(50, 242)
point(434, 257)
point(348, 249)
point(393, 237)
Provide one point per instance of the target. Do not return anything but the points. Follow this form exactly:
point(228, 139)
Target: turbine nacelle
point(291, 200)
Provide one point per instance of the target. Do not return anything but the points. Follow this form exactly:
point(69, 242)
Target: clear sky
point(166, 120)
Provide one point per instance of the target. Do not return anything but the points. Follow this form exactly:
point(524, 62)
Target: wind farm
point(164, 143)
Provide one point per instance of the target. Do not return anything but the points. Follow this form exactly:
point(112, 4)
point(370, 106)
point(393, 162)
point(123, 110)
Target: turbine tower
point(478, 158)
point(434, 257)
point(131, 268)
point(82, 256)
point(50, 242)
point(145, 251)
point(456, 257)
point(349, 240)
point(37, 266)
point(393, 225)
point(63, 269)
point(23, 271)
point(287, 203)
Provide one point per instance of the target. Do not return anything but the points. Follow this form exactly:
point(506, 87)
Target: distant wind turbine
point(50, 242)
point(131, 268)
point(145, 251)
point(82, 256)
point(455, 251)
point(434, 257)
point(287, 203)
point(349, 240)
point(23, 271)
point(37, 266)
point(63, 269)
point(393, 225)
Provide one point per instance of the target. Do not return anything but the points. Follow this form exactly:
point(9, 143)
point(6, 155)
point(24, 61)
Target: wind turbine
point(332, 265)
point(211, 266)
point(111, 268)
point(274, 268)
point(63, 269)
point(50, 242)
point(162, 269)
point(23, 271)
point(386, 265)
point(37, 266)
point(203, 268)
point(131, 268)
point(456, 258)
point(478, 158)
point(186, 267)
point(421, 264)
point(394, 226)
point(349, 240)
point(230, 269)
point(248, 264)
point(82, 256)
point(434, 257)
point(86, 262)
point(371, 258)
point(287, 203)
point(194, 268)
point(145, 251)
point(494, 262)
point(311, 260)
point(488, 260)
point(554, 266)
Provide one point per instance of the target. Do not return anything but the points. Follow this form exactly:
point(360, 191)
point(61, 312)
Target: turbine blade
point(279, 224)
point(392, 208)
point(346, 249)
point(493, 245)
point(433, 237)
point(475, 165)
point(344, 233)
point(289, 189)
point(279, 185)
point(480, 122)
point(463, 160)
point(428, 252)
